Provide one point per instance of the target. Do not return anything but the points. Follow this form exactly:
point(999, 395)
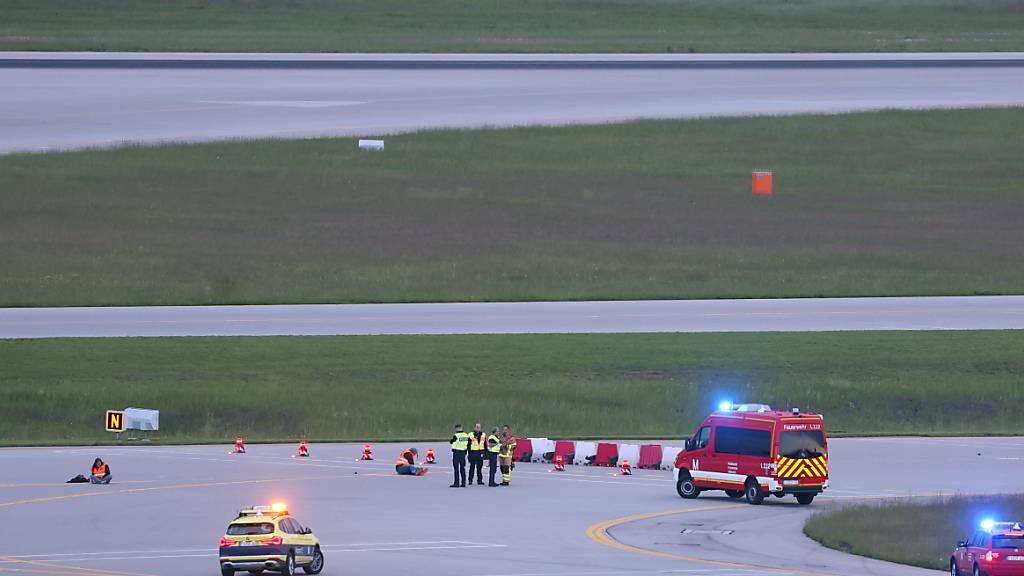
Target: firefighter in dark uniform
point(460, 444)
point(477, 447)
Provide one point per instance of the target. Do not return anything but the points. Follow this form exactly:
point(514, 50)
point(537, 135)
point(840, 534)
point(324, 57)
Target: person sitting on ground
point(406, 463)
point(100, 472)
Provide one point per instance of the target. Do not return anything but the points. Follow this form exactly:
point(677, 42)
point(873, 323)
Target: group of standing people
point(476, 447)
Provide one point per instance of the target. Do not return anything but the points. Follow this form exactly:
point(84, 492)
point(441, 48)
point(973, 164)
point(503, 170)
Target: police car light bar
point(989, 525)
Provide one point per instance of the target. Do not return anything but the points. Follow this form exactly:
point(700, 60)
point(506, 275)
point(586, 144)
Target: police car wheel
point(754, 494)
point(227, 572)
point(289, 565)
point(316, 565)
point(734, 493)
point(686, 487)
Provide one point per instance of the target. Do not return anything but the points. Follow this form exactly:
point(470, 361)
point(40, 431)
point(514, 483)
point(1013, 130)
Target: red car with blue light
point(994, 549)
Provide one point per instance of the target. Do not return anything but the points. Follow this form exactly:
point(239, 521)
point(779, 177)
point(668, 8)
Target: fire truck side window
point(700, 440)
point(743, 441)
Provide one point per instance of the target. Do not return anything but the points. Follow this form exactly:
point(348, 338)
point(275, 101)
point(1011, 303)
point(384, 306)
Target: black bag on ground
point(78, 480)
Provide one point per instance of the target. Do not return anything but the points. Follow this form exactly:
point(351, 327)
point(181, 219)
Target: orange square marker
point(761, 182)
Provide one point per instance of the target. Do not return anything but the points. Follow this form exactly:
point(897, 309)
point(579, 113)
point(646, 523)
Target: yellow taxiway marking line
point(55, 484)
point(599, 533)
point(49, 568)
point(104, 492)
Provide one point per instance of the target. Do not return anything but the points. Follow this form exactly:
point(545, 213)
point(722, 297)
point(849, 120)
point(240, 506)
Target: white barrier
point(585, 450)
point(371, 144)
point(668, 457)
point(541, 446)
point(629, 452)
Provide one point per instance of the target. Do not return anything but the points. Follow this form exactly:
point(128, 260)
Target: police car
point(995, 549)
point(268, 538)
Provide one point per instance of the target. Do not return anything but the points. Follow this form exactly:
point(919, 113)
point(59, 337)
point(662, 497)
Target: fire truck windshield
point(802, 444)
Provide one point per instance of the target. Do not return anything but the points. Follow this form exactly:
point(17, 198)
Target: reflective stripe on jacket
point(477, 443)
point(460, 441)
point(493, 444)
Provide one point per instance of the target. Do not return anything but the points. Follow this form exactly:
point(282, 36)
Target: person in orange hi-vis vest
point(100, 472)
point(406, 463)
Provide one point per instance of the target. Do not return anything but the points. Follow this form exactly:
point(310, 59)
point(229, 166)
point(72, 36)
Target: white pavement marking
point(207, 552)
point(287, 103)
point(696, 572)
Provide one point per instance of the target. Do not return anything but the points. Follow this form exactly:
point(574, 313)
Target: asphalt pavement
point(767, 315)
point(167, 507)
point(56, 101)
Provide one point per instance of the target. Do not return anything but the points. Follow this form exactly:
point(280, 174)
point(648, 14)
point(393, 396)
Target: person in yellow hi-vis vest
point(460, 443)
point(493, 448)
point(508, 449)
point(477, 446)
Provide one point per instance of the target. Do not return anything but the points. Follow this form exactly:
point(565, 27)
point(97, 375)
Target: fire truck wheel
point(977, 571)
point(753, 491)
point(734, 493)
point(805, 499)
point(686, 488)
point(952, 568)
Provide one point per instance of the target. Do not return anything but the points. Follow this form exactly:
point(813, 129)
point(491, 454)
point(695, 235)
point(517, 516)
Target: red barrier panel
point(566, 449)
point(607, 454)
point(650, 456)
point(523, 451)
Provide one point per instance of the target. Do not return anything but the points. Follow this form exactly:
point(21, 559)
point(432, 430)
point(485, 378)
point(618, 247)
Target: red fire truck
point(750, 450)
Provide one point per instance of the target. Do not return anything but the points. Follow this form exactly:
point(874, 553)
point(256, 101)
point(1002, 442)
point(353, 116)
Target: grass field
point(889, 203)
point(521, 26)
point(928, 529)
point(398, 387)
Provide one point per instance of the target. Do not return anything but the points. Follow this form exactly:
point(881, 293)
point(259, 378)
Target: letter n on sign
point(115, 420)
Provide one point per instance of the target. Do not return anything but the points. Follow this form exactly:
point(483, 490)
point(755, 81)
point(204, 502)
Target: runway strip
point(789, 315)
point(56, 101)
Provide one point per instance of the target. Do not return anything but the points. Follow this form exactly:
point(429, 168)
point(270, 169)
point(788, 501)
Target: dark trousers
point(476, 466)
point(492, 465)
point(459, 464)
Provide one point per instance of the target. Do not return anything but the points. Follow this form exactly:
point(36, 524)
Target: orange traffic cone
point(559, 463)
point(239, 446)
point(625, 469)
point(430, 456)
point(367, 453)
point(303, 449)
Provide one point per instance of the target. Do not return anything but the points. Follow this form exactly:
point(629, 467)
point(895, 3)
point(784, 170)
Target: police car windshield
point(1007, 541)
point(254, 529)
point(802, 444)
